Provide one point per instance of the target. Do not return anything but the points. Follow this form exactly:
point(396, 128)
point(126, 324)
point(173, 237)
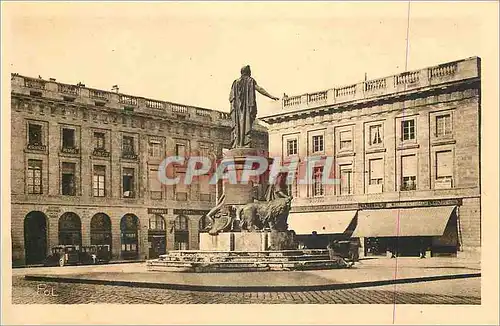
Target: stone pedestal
point(248, 241)
point(240, 193)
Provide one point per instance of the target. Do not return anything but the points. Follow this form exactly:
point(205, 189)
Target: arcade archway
point(70, 229)
point(35, 237)
point(129, 226)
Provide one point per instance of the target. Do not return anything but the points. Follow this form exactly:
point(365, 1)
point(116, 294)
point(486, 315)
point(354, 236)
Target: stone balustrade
point(154, 104)
point(443, 70)
point(128, 100)
point(97, 94)
point(345, 91)
point(406, 78)
point(430, 76)
point(34, 83)
point(376, 84)
point(89, 96)
point(68, 89)
point(178, 108)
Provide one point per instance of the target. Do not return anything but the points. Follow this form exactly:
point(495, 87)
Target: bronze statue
point(271, 215)
point(244, 107)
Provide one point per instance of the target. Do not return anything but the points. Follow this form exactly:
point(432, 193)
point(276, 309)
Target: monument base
point(248, 241)
point(199, 261)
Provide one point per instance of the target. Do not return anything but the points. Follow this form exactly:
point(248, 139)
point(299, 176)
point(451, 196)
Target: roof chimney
point(115, 88)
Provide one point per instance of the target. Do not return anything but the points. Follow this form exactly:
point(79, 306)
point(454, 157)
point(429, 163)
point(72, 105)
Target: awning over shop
point(403, 222)
point(321, 222)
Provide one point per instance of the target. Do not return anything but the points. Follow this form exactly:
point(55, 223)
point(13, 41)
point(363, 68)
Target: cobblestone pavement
point(31, 292)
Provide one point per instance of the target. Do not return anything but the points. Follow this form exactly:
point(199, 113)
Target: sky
point(191, 52)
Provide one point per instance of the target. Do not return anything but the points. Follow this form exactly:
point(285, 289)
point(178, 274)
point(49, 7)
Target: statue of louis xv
point(244, 107)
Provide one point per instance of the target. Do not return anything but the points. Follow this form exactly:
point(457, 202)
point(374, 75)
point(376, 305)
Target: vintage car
point(78, 255)
point(63, 255)
point(347, 249)
point(95, 254)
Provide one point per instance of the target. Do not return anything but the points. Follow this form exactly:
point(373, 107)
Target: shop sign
point(157, 210)
point(379, 205)
point(190, 211)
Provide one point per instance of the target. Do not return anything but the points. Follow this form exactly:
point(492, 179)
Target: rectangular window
point(34, 134)
point(346, 182)
point(99, 181)
point(408, 130)
point(68, 179)
point(345, 140)
point(291, 147)
point(68, 138)
point(154, 184)
point(443, 125)
point(444, 169)
point(376, 135)
point(376, 171)
point(318, 189)
point(180, 150)
point(128, 183)
point(34, 177)
point(128, 145)
point(154, 148)
point(99, 140)
point(408, 172)
point(317, 144)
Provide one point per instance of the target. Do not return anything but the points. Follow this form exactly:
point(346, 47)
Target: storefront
point(410, 232)
point(157, 236)
point(315, 230)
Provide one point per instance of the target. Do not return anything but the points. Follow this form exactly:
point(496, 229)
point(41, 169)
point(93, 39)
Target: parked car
point(75, 255)
point(63, 255)
point(347, 249)
point(95, 254)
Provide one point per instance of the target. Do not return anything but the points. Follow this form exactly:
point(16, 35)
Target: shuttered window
point(444, 164)
point(376, 171)
point(408, 172)
point(154, 184)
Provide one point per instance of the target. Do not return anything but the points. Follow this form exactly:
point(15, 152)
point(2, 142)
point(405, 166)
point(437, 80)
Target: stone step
point(243, 258)
point(157, 265)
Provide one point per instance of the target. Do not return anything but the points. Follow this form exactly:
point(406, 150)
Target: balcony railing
point(407, 78)
point(128, 100)
point(202, 113)
point(100, 152)
point(443, 70)
point(317, 97)
point(154, 104)
point(96, 94)
point(443, 183)
point(181, 109)
point(430, 76)
point(345, 91)
point(70, 150)
point(224, 116)
point(129, 156)
point(373, 85)
point(291, 101)
point(37, 147)
point(68, 89)
point(34, 83)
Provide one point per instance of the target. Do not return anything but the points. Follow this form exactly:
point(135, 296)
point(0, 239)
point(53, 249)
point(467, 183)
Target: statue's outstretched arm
point(265, 93)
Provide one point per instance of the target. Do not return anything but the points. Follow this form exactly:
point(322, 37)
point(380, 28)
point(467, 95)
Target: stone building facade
point(406, 157)
point(84, 169)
